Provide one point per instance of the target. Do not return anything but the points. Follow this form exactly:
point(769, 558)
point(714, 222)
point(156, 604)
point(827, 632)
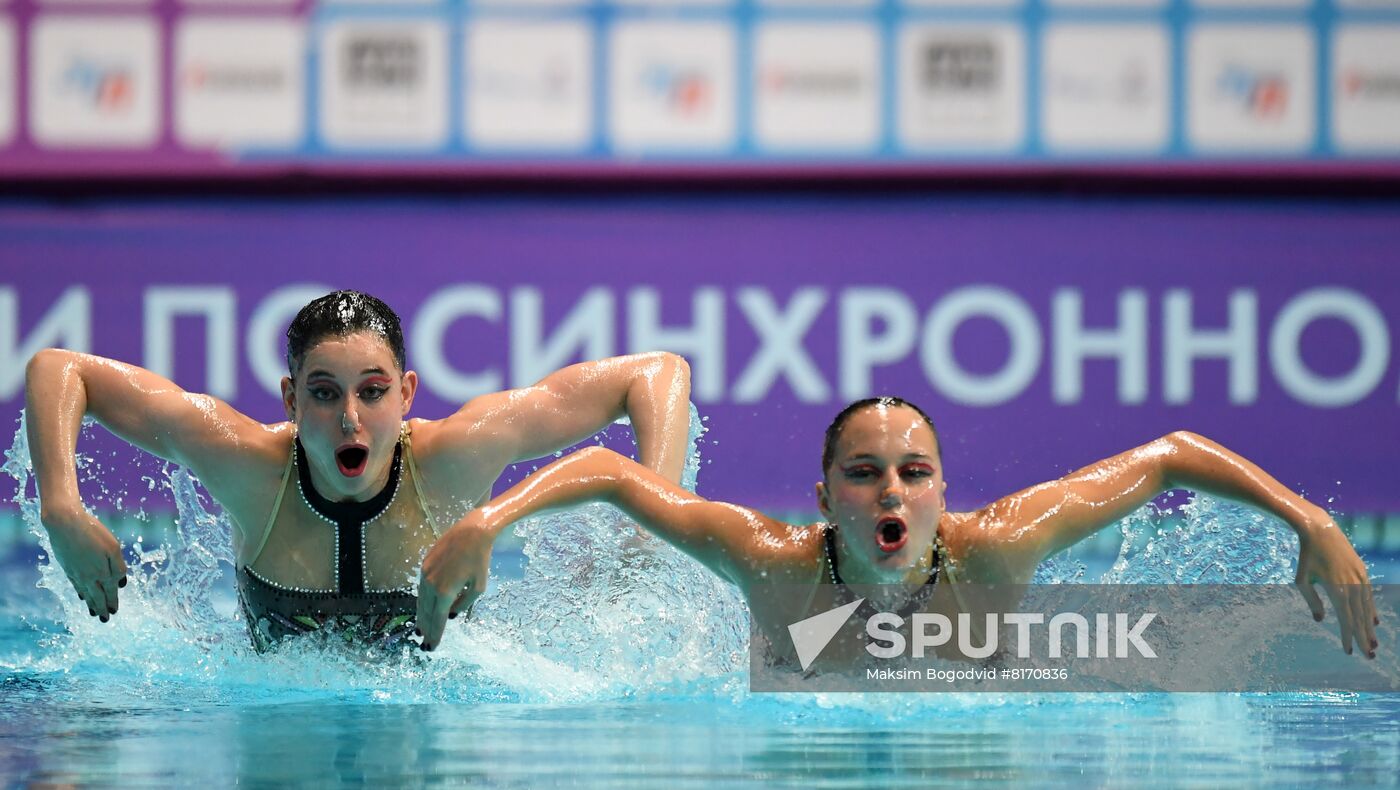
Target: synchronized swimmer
point(334, 508)
point(886, 523)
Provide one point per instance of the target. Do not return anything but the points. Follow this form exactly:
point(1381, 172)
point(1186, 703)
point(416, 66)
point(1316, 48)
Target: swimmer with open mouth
point(886, 522)
point(334, 507)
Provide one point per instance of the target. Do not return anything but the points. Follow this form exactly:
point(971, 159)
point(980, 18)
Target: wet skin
point(887, 467)
point(885, 471)
point(348, 394)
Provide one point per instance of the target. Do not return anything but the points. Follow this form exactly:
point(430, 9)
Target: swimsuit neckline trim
point(347, 512)
point(409, 590)
point(843, 590)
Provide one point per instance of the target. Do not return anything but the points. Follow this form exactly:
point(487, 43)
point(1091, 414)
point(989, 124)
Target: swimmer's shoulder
point(246, 479)
point(782, 553)
point(249, 465)
point(455, 478)
point(984, 546)
point(217, 440)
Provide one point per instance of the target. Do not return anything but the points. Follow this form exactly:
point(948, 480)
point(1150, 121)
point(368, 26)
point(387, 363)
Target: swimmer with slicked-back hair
point(886, 523)
point(334, 508)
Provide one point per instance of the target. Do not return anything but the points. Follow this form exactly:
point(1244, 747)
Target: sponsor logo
point(684, 90)
point(1366, 88)
point(815, 82)
point(816, 86)
point(1366, 85)
point(224, 78)
point(672, 85)
point(108, 87)
point(382, 63)
point(1129, 86)
point(529, 84)
point(94, 81)
point(385, 85)
point(553, 81)
point(961, 89)
point(239, 82)
point(1106, 87)
point(1263, 94)
point(1251, 88)
point(960, 68)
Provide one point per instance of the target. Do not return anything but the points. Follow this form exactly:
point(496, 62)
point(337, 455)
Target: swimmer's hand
point(90, 556)
point(1326, 556)
point(454, 575)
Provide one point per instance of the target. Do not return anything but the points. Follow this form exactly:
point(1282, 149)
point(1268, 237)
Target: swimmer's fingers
point(467, 599)
point(111, 582)
point(459, 606)
point(437, 606)
point(106, 602)
point(1309, 593)
point(90, 556)
point(88, 581)
point(1363, 608)
point(1341, 604)
point(455, 567)
point(89, 594)
point(99, 587)
point(1356, 616)
point(432, 613)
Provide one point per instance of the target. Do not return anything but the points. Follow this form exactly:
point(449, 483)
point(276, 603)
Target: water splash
point(1203, 541)
point(601, 613)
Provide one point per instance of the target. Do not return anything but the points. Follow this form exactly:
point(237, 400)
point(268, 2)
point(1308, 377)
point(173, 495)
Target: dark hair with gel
point(833, 431)
point(342, 313)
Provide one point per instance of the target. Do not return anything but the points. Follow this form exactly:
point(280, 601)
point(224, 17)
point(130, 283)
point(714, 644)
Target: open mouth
point(890, 535)
point(352, 460)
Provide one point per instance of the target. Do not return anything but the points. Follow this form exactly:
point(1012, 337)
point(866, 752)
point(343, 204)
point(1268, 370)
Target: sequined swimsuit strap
point(950, 573)
point(417, 484)
point(276, 505)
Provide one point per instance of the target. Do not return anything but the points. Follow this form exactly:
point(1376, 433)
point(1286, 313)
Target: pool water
point(83, 716)
point(106, 705)
point(594, 661)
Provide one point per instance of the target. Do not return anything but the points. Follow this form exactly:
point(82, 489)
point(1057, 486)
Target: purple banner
point(1041, 335)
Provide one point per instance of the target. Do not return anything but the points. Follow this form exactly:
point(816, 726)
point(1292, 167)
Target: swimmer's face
point(348, 400)
point(884, 492)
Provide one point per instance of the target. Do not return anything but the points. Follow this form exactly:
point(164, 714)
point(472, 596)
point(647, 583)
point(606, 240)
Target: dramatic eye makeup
point(375, 387)
point(322, 387)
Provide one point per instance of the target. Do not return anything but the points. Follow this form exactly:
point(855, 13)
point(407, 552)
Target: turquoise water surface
point(595, 662)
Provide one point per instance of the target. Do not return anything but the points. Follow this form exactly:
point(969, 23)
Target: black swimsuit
point(274, 611)
point(866, 609)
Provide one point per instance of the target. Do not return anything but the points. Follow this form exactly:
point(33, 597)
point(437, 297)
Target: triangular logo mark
point(811, 636)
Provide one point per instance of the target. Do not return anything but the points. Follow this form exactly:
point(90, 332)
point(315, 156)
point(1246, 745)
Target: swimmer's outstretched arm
point(147, 410)
point(1022, 529)
point(652, 390)
point(731, 541)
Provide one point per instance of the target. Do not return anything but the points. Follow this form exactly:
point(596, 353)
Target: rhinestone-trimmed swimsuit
point(351, 609)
